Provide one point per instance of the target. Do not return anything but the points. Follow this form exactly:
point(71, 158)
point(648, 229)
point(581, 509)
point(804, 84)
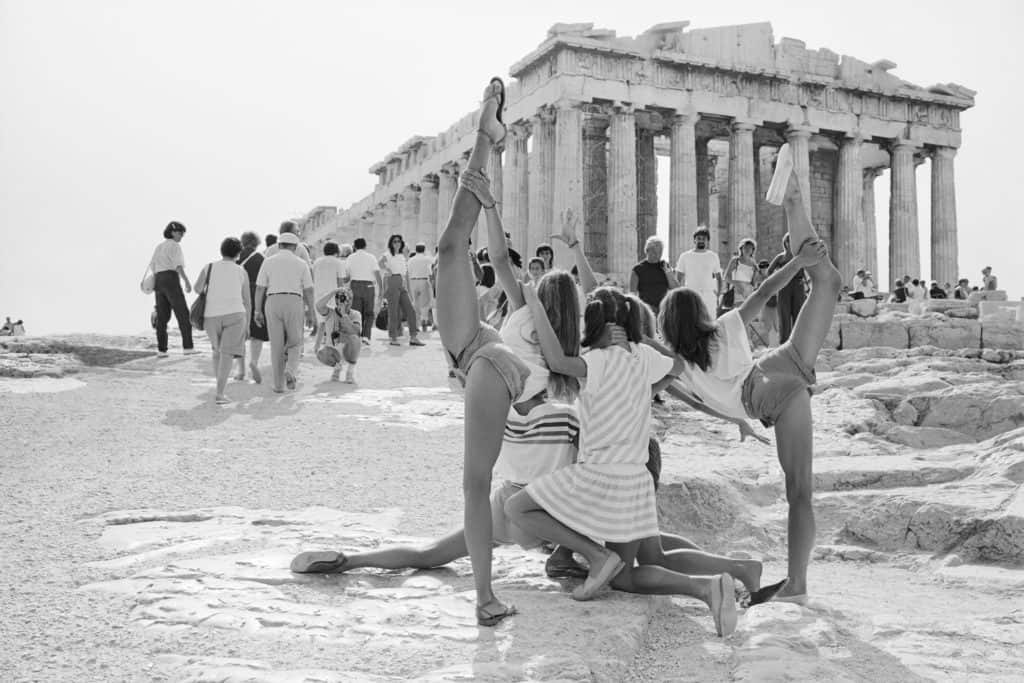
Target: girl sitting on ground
point(720, 372)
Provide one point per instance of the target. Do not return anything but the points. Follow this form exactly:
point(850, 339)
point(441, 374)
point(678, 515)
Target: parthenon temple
point(589, 112)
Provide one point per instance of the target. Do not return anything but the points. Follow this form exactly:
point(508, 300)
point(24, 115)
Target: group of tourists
point(12, 329)
point(916, 292)
point(558, 403)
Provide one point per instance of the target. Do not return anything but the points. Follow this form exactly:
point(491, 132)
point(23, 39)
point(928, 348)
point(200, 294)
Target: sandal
point(485, 617)
point(565, 570)
point(319, 562)
point(761, 595)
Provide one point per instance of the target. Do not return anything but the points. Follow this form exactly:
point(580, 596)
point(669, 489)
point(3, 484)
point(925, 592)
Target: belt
point(362, 282)
point(419, 278)
point(281, 293)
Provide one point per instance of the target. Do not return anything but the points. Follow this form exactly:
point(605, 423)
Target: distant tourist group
point(558, 403)
point(12, 329)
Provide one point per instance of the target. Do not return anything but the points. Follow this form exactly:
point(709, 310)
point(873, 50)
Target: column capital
point(622, 108)
point(543, 115)
point(429, 182)
point(410, 191)
point(594, 125)
point(519, 129)
point(853, 137)
point(943, 152)
point(799, 131)
point(744, 125)
point(904, 143)
point(684, 118)
point(872, 173)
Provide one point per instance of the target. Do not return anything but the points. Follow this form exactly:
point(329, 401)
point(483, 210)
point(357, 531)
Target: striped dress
point(609, 494)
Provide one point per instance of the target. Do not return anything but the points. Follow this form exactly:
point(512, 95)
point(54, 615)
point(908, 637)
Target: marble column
point(682, 193)
point(427, 218)
point(447, 180)
point(703, 193)
point(944, 243)
point(741, 184)
point(904, 245)
point(515, 187)
point(870, 228)
point(646, 188)
point(798, 138)
point(541, 185)
point(621, 193)
point(848, 236)
point(568, 196)
point(409, 215)
point(595, 191)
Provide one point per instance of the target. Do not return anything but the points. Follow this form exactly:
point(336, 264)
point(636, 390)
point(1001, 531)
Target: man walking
point(418, 268)
point(284, 279)
point(791, 296)
point(700, 269)
point(365, 275)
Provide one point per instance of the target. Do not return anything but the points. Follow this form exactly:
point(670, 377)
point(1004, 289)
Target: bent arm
point(550, 347)
point(752, 305)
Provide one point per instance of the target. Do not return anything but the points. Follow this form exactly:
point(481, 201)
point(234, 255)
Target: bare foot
point(749, 574)
point(490, 111)
point(600, 574)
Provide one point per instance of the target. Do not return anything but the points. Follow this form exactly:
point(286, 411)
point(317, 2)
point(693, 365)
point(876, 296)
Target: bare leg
point(700, 563)
point(487, 403)
point(224, 361)
point(676, 542)
point(255, 349)
point(434, 554)
point(794, 442)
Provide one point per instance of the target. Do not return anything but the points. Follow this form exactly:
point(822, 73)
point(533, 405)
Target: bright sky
point(117, 117)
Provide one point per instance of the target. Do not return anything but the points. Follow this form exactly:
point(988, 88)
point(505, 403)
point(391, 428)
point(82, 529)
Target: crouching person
point(337, 343)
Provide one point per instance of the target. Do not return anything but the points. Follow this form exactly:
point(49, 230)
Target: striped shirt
point(537, 443)
point(615, 403)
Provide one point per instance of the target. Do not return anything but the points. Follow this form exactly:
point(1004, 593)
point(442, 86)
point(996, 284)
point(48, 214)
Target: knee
point(799, 489)
point(831, 278)
point(516, 505)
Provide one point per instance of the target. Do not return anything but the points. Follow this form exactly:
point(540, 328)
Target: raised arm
point(549, 345)
point(497, 249)
point(809, 254)
point(570, 221)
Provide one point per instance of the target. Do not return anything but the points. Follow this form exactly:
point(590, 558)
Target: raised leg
point(794, 442)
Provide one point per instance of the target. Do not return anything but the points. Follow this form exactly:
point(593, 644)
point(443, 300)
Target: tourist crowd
point(12, 329)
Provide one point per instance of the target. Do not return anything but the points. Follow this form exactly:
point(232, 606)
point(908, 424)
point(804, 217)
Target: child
point(338, 340)
point(720, 372)
point(535, 269)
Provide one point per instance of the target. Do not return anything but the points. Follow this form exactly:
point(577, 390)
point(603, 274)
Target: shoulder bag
point(197, 314)
point(148, 284)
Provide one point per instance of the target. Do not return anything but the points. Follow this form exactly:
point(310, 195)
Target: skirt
point(605, 502)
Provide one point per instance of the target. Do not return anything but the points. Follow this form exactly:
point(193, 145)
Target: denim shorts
point(775, 378)
point(487, 345)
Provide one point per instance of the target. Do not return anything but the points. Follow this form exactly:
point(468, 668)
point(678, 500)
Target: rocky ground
point(147, 531)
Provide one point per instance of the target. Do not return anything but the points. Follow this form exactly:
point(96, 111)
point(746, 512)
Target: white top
point(300, 251)
point(226, 282)
point(167, 256)
point(865, 286)
point(419, 266)
point(362, 265)
point(615, 403)
point(284, 273)
point(537, 443)
point(395, 264)
point(328, 271)
point(743, 273)
point(699, 269)
point(721, 387)
point(520, 334)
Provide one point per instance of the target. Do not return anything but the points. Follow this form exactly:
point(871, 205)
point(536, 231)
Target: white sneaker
point(190, 352)
point(350, 374)
point(780, 180)
point(161, 354)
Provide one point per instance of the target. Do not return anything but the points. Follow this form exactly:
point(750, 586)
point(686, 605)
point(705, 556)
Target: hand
point(570, 219)
point(257, 318)
point(477, 183)
point(811, 253)
point(746, 430)
point(188, 287)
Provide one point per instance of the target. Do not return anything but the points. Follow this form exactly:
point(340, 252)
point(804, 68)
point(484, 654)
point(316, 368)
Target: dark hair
point(288, 226)
point(391, 248)
point(173, 226)
point(359, 243)
point(654, 460)
point(231, 247)
point(331, 249)
point(608, 305)
point(482, 256)
point(557, 293)
point(545, 248)
point(487, 278)
point(701, 231)
point(271, 240)
point(687, 326)
point(536, 259)
point(421, 248)
point(648, 320)
point(250, 240)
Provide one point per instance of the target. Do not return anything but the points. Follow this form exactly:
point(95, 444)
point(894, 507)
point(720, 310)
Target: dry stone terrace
point(589, 112)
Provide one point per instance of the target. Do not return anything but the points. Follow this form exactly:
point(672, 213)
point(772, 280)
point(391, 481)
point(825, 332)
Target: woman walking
point(251, 259)
point(228, 310)
point(399, 303)
point(168, 266)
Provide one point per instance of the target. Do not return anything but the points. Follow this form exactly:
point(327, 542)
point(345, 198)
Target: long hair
point(557, 293)
point(648, 319)
point(608, 305)
point(687, 326)
point(391, 248)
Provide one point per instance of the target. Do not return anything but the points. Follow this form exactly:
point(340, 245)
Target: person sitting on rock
point(18, 329)
point(7, 329)
point(936, 292)
point(720, 371)
point(989, 281)
point(899, 293)
point(963, 289)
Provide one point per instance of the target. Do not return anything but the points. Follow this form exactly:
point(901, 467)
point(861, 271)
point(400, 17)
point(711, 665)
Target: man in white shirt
point(300, 249)
point(419, 267)
point(700, 269)
point(285, 281)
point(329, 271)
point(364, 274)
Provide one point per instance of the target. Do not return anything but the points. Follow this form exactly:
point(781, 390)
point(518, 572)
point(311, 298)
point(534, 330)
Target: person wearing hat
point(337, 342)
point(168, 267)
point(285, 282)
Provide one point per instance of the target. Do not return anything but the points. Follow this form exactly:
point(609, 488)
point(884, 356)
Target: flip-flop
point(488, 618)
point(723, 604)
point(598, 579)
point(762, 595)
point(780, 179)
point(319, 562)
point(501, 98)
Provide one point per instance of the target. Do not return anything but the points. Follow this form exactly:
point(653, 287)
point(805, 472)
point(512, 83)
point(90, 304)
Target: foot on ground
point(600, 574)
point(319, 562)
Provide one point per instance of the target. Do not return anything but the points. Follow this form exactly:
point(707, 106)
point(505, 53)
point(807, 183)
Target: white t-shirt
point(520, 334)
point(167, 256)
point(300, 251)
point(721, 387)
point(362, 265)
point(699, 269)
point(537, 443)
point(284, 273)
point(327, 273)
point(419, 266)
point(395, 263)
point(224, 297)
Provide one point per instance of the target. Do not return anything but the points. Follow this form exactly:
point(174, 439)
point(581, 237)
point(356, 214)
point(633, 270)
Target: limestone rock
point(1002, 335)
point(864, 308)
point(858, 334)
point(945, 333)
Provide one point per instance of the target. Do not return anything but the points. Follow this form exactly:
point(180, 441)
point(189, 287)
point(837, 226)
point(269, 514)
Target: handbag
point(197, 314)
point(381, 321)
point(148, 284)
point(728, 299)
